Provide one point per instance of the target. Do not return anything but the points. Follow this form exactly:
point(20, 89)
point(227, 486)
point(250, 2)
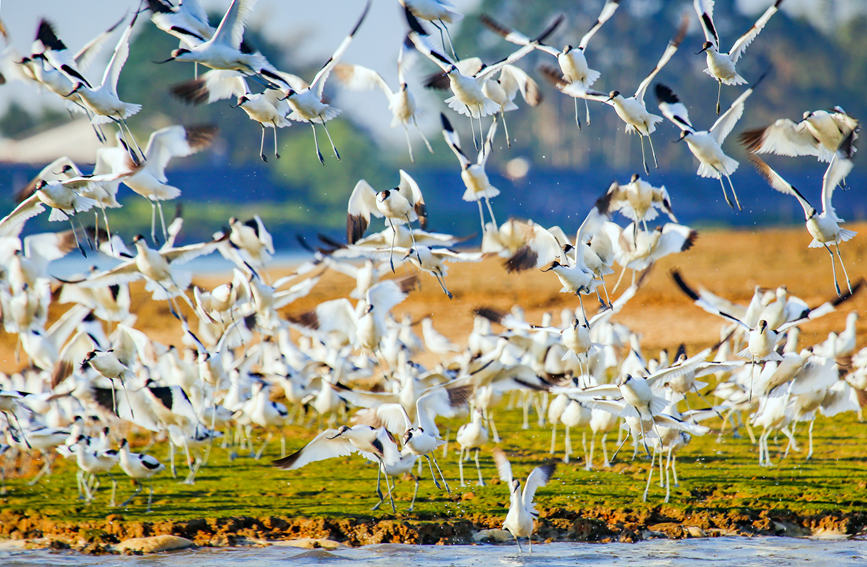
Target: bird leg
point(133, 495)
point(482, 216)
point(391, 250)
point(587, 110)
point(667, 471)
point(432, 473)
point(112, 503)
point(584, 444)
point(846, 275)
point(577, 120)
point(262, 448)
point(649, 476)
point(408, 143)
point(276, 151)
point(150, 498)
point(833, 269)
point(316, 145)
point(171, 458)
point(505, 128)
point(333, 147)
point(473, 128)
point(153, 221)
point(567, 446)
point(725, 195)
point(734, 194)
point(442, 283)
point(378, 488)
point(495, 435)
point(553, 438)
point(718, 93)
point(461, 467)
point(810, 440)
point(519, 544)
point(412, 238)
point(262, 144)
point(423, 137)
point(652, 151)
point(445, 482)
point(588, 462)
point(414, 493)
point(479, 468)
point(643, 158)
point(162, 221)
point(491, 211)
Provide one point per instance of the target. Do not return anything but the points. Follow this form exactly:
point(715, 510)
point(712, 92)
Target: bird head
point(567, 48)
point(343, 429)
point(383, 195)
point(290, 92)
point(516, 485)
point(704, 47)
point(683, 134)
point(763, 325)
point(635, 177)
point(241, 100)
point(138, 238)
point(551, 266)
point(407, 436)
point(612, 95)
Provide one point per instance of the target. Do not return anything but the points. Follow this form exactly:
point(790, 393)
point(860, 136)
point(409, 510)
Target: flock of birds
point(93, 378)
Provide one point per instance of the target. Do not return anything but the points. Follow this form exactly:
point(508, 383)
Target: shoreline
point(597, 525)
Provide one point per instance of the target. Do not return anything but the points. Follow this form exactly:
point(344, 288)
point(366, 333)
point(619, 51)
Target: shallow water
point(697, 552)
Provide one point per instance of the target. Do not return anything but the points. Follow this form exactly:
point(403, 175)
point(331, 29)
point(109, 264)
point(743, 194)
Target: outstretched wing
point(607, 11)
point(745, 40)
point(777, 183)
point(362, 202)
point(669, 52)
point(504, 468)
point(318, 81)
point(451, 138)
point(538, 478)
point(838, 169)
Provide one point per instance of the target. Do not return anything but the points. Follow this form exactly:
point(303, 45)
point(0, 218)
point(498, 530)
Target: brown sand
point(729, 263)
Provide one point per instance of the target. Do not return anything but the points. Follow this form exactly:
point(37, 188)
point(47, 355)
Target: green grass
point(716, 479)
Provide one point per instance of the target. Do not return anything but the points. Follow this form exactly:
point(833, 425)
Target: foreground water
point(695, 552)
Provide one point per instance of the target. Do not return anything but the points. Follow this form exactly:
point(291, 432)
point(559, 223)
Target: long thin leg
point(262, 144)
point(587, 110)
point(445, 482)
point(725, 195)
point(567, 445)
point(577, 120)
point(461, 466)
point(408, 143)
point(519, 544)
point(643, 158)
point(162, 221)
point(473, 128)
point(584, 444)
point(833, 268)
point(391, 250)
point(718, 93)
point(316, 145)
point(491, 211)
point(432, 473)
point(414, 493)
point(276, 147)
point(588, 462)
point(442, 283)
point(649, 476)
point(845, 274)
point(605, 462)
point(479, 468)
point(810, 439)
point(652, 152)
point(482, 216)
point(553, 438)
point(734, 193)
point(333, 147)
point(451, 43)
point(423, 137)
point(153, 222)
point(506, 129)
point(667, 471)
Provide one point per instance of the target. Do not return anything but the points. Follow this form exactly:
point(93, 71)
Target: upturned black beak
point(164, 61)
point(700, 51)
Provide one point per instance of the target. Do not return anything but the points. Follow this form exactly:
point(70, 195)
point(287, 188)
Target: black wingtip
point(447, 126)
point(665, 94)
point(675, 274)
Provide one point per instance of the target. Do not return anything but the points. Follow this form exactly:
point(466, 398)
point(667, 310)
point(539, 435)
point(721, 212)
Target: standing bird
point(572, 60)
point(631, 110)
point(306, 103)
point(824, 227)
point(721, 66)
point(706, 145)
point(522, 513)
point(138, 466)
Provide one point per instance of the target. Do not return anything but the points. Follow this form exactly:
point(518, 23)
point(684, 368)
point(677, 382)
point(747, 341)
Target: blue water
point(715, 552)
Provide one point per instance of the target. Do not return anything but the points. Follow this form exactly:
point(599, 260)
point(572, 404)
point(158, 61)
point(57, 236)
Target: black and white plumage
point(522, 510)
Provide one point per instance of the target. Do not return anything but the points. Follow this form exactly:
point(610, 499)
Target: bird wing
point(783, 137)
point(362, 202)
point(360, 78)
point(608, 10)
point(745, 40)
point(704, 9)
point(318, 81)
point(118, 59)
point(323, 446)
point(488, 146)
point(421, 45)
point(122, 273)
point(85, 56)
point(183, 254)
point(710, 308)
point(514, 36)
point(538, 478)
point(669, 52)
point(231, 28)
point(385, 295)
point(823, 309)
point(176, 141)
point(392, 416)
point(514, 79)
point(779, 184)
point(194, 9)
point(672, 108)
point(519, 53)
point(838, 169)
point(674, 238)
point(504, 468)
point(726, 123)
point(412, 193)
point(13, 223)
point(452, 140)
